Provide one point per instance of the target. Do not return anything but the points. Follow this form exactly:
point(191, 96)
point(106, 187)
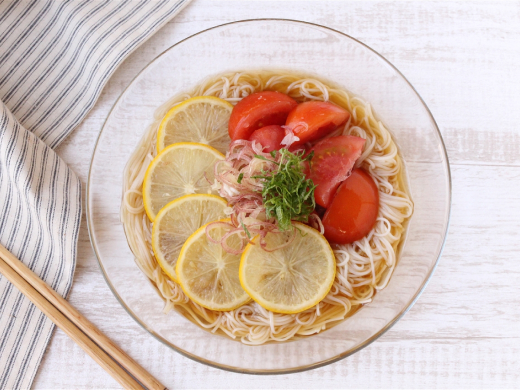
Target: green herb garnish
point(245, 230)
point(240, 177)
point(287, 194)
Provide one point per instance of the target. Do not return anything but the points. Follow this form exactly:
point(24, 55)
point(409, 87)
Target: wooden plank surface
point(464, 331)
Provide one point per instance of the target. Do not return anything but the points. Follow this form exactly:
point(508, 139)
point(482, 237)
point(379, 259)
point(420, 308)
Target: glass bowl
point(272, 44)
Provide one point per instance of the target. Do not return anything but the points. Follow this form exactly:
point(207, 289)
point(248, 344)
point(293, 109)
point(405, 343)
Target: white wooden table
point(464, 60)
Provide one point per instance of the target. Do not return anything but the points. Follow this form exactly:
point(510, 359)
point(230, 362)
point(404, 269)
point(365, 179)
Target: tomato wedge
point(311, 121)
point(259, 110)
point(332, 162)
point(269, 137)
point(353, 211)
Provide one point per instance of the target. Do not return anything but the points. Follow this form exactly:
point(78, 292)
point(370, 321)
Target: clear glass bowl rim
point(309, 366)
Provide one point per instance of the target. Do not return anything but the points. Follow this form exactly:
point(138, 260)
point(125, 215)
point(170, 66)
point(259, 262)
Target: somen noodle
point(363, 267)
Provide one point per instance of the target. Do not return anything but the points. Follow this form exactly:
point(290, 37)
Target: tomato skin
point(332, 162)
point(311, 121)
point(353, 211)
point(259, 110)
point(270, 137)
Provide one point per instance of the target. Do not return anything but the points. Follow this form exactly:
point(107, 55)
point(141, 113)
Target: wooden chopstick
point(69, 328)
point(83, 332)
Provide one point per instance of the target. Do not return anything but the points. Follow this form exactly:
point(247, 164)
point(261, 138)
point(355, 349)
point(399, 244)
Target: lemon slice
point(208, 274)
point(291, 279)
point(180, 169)
point(202, 119)
point(177, 221)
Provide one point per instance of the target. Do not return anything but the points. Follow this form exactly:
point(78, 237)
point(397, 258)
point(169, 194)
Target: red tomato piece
point(259, 110)
point(269, 137)
point(311, 121)
point(332, 162)
point(353, 211)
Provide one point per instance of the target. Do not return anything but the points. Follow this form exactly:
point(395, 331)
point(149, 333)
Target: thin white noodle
point(363, 267)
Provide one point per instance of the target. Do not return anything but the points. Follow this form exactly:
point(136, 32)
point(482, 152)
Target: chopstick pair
point(100, 348)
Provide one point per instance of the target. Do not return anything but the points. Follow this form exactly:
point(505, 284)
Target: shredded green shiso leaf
point(287, 194)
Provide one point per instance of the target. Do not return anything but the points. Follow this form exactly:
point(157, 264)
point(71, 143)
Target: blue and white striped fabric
point(55, 57)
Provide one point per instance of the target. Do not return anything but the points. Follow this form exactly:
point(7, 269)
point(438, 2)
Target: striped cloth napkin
point(55, 58)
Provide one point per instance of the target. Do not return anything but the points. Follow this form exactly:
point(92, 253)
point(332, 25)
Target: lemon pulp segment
point(202, 119)
point(293, 278)
point(180, 169)
point(208, 274)
point(176, 221)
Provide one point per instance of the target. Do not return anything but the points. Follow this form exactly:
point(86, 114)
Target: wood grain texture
point(464, 331)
